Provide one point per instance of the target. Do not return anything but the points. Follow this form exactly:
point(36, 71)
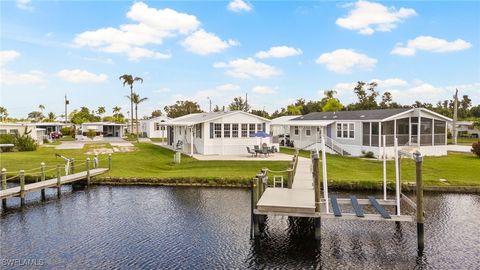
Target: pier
point(92, 169)
point(306, 195)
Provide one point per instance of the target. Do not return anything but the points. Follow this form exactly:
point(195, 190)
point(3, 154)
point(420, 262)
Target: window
point(211, 130)
point(244, 130)
point(307, 132)
point(346, 130)
point(234, 130)
point(157, 126)
point(251, 130)
point(226, 130)
point(162, 127)
point(198, 131)
point(295, 130)
point(259, 127)
point(3, 131)
point(218, 130)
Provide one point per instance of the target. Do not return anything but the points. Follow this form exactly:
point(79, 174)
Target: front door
point(414, 136)
point(329, 131)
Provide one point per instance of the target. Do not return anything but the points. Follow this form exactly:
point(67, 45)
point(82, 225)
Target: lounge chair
point(253, 153)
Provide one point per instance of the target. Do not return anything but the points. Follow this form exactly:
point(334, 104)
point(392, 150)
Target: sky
point(276, 51)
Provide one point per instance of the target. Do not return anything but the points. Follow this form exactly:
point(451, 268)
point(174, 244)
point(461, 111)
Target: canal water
point(137, 227)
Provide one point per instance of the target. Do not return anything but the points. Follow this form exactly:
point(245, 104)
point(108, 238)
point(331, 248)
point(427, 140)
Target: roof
point(353, 115)
point(196, 118)
point(282, 119)
point(161, 118)
point(50, 124)
point(103, 123)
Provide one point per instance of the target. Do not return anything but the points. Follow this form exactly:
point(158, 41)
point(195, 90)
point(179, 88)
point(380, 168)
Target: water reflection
point(159, 227)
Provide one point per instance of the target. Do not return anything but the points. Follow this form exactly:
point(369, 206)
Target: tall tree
point(101, 110)
point(239, 104)
point(181, 108)
point(135, 99)
point(332, 105)
point(130, 80)
point(51, 117)
point(386, 100)
point(261, 113)
point(36, 116)
point(83, 115)
point(41, 107)
point(116, 114)
point(367, 95)
point(3, 113)
point(156, 113)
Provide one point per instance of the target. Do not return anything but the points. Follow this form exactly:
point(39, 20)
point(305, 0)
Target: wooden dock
point(51, 183)
point(307, 196)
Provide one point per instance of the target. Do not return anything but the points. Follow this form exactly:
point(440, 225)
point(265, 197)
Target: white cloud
point(430, 44)
point(24, 4)
point(368, 17)
point(263, 90)
point(247, 68)
point(8, 56)
point(279, 52)
point(392, 82)
point(202, 42)
point(162, 90)
point(220, 90)
point(152, 27)
point(12, 78)
point(345, 60)
point(239, 6)
point(81, 76)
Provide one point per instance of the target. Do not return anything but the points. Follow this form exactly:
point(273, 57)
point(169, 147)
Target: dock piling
point(4, 186)
point(88, 171)
point(72, 166)
point(95, 162)
point(318, 194)
point(42, 178)
point(22, 187)
point(256, 192)
point(420, 213)
point(109, 162)
point(59, 183)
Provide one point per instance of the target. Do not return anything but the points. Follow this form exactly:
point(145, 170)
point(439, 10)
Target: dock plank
point(15, 191)
point(358, 209)
point(336, 209)
point(379, 208)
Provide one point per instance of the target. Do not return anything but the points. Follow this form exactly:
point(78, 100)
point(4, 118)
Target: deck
point(15, 191)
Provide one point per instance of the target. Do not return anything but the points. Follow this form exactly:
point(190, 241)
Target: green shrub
point(476, 148)
point(7, 139)
point(25, 143)
point(368, 154)
point(91, 134)
point(66, 131)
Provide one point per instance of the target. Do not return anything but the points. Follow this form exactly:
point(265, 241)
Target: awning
point(305, 123)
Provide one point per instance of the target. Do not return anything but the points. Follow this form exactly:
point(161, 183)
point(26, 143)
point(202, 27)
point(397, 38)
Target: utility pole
point(66, 103)
point(454, 124)
point(210, 103)
point(246, 102)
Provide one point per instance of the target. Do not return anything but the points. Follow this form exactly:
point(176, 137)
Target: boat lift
point(327, 207)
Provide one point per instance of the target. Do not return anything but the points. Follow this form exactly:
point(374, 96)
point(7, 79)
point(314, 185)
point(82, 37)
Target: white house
point(102, 129)
point(153, 128)
point(356, 132)
point(466, 129)
point(216, 133)
point(38, 134)
point(50, 127)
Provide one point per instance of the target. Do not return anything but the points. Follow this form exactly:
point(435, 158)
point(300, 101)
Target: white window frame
point(296, 130)
point(342, 130)
point(309, 132)
point(215, 130)
point(227, 130)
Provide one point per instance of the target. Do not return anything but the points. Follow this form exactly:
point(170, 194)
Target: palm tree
point(135, 99)
point(51, 117)
point(130, 80)
point(101, 110)
point(3, 113)
point(41, 107)
point(116, 111)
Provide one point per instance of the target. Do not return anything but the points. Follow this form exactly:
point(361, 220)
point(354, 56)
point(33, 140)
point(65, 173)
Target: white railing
point(336, 147)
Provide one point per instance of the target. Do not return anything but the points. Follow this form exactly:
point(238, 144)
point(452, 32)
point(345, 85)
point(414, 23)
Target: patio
point(246, 157)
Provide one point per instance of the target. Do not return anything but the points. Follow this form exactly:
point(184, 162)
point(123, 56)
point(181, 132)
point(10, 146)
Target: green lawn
point(151, 161)
point(464, 141)
point(458, 169)
point(148, 161)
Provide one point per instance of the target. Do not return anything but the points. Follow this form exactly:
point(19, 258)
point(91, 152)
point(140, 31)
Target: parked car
point(56, 135)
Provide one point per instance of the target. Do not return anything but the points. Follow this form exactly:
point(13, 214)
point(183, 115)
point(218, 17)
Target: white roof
point(306, 123)
point(158, 118)
point(196, 118)
point(282, 119)
point(102, 124)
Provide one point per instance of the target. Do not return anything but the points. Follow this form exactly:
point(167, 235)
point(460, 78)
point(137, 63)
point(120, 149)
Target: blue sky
point(274, 51)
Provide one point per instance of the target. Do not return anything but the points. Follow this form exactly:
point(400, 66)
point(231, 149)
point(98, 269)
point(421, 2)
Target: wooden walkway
point(299, 201)
point(51, 183)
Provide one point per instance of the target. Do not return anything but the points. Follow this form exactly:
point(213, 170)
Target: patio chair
point(256, 148)
point(253, 153)
point(265, 151)
point(273, 149)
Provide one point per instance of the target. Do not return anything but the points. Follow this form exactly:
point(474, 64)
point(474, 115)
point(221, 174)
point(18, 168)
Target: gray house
point(357, 132)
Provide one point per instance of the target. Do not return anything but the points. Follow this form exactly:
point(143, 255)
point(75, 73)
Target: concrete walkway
point(459, 148)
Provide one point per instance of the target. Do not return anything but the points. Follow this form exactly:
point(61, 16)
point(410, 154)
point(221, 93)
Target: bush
point(476, 148)
point(25, 143)
point(66, 131)
point(91, 134)
point(368, 154)
point(7, 139)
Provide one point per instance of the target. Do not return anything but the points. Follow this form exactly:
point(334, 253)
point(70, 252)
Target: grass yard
point(458, 169)
point(147, 161)
point(464, 141)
